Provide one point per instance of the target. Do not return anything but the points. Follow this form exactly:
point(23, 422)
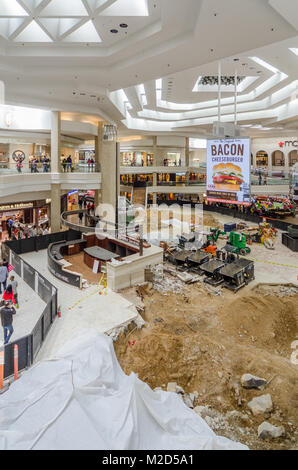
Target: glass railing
point(40, 169)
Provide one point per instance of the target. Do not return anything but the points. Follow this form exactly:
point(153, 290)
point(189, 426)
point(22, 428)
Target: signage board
point(228, 170)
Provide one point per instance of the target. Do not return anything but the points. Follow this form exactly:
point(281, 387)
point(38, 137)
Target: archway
point(293, 157)
point(262, 158)
point(278, 158)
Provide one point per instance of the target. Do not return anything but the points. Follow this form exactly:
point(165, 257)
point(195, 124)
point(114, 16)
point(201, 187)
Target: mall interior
point(117, 122)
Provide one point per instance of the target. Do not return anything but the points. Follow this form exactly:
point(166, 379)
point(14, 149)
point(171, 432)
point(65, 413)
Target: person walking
point(8, 295)
point(14, 285)
point(81, 217)
point(7, 313)
point(3, 276)
point(45, 162)
point(69, 164)
point(64, 163)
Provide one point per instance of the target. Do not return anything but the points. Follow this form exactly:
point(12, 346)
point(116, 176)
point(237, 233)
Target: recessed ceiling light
point(114, 31)
point(123, 25)
point(236, 60)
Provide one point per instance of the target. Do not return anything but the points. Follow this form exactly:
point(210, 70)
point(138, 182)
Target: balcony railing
point(40, 169)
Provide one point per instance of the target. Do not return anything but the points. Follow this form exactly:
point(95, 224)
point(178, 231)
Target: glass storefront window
point(172, 159)
point(262, 158)
point(138, 159)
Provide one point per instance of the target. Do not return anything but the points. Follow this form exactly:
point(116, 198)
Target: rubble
point(188, 400)
point(261, 405)
point(172, 387)
point(250, 381)
point(267, 430)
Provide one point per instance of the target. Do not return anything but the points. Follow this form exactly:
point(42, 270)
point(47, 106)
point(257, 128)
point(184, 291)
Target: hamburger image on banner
point(227, 177)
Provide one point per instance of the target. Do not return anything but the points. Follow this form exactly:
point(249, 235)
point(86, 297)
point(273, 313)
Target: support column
point(55, 208)
point(97, 140)
point(154, 184)
point(56, 142)
point(36, 220)
point(187, 153)
point(109, 158)
point(155, 150)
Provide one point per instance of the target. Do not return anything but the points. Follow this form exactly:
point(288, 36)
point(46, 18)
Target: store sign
point(228, 170)
point(18, 156)
point(15, 207)
point(289, 143)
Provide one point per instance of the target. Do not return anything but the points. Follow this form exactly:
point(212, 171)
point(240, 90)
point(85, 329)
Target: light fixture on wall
point(8, 119)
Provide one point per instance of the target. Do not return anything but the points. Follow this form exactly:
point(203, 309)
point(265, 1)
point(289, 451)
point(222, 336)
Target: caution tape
point(92, 293)
point(272, 262)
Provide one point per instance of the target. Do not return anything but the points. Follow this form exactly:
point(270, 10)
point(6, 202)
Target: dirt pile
point(206, 343)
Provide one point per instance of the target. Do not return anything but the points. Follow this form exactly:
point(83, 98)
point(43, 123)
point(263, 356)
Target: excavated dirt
point(206, 343)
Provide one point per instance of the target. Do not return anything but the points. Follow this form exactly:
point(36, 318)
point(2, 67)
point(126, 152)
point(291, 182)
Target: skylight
point(11, 8)
point(264, 64)
point(294, 50)
point(127, 8)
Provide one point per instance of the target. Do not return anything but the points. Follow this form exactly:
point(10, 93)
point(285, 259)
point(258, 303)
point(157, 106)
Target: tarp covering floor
point(82, 400)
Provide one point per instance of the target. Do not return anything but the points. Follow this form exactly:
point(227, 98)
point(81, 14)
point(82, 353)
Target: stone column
point(154, 195)
point(56, 142)
point(154, 150)
point(55, 221)
point(187, 153)
point(109, 159)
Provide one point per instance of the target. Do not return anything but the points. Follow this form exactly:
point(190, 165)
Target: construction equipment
point(237, 274)
point(215, 234)
point(178, 257)
point(237, 244)
point(196, 259)
point(212, 271)
point(267, 235)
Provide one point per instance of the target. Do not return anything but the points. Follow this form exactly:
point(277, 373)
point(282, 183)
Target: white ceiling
point(61, 54)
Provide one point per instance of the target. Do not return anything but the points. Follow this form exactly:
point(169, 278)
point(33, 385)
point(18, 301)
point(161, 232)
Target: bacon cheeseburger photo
point(227, 176)
point(228, 171)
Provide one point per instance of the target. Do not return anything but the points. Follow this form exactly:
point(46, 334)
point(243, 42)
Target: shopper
point(69, 164)
point(81, 215)
point(45, 164)
point(19, 166)
point(8, 294)
point(14, 285)
point(89, 164)
point(34, 166)
point(92, 165)
point(64, 163)
point(3, 276)
point(7, 313)
point(32, 231)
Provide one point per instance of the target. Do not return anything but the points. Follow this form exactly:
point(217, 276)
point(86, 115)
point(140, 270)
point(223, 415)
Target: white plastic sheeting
point(81, 399)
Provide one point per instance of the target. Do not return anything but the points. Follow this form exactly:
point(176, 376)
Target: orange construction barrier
point(16, 362)
point(1, 369)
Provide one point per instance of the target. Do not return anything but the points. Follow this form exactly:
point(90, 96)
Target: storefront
point(276, 155)
point(172, 159)
point(84, 157)
point(137, 159)
point(28, 213)
point(73, 200)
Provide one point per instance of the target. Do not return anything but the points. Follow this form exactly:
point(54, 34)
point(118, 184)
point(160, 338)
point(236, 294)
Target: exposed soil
point(206, 343)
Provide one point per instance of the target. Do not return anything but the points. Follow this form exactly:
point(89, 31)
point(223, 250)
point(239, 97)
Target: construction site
point(228, 346)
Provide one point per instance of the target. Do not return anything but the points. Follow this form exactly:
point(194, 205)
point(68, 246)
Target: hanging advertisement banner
point(228, 170)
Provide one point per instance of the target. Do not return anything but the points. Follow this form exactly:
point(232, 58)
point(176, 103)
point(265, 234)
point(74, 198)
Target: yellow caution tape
point(272, 262)
point(92, 293)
